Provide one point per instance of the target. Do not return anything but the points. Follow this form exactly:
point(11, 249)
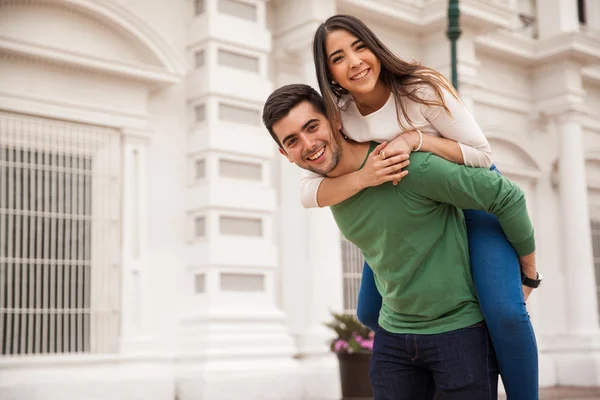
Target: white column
point(582, 310)
point(555, 17)
point(229, 317)
point(592, 13)
point(134, 285)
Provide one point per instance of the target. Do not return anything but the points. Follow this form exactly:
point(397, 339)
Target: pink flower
point(367, 344)
point(340, 345)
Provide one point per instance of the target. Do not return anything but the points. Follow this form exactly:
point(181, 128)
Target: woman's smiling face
point(351, 63)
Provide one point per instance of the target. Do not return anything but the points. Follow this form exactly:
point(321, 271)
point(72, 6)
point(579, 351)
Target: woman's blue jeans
point(497, 275)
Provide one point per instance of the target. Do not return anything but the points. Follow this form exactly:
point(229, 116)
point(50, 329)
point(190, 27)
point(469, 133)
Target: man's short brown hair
point(283, 100)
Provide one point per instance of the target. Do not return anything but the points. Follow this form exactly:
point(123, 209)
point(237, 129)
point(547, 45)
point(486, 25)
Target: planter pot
point(354, 376)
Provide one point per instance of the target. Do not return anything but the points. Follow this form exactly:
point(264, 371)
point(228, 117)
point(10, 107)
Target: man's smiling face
point(307, 139)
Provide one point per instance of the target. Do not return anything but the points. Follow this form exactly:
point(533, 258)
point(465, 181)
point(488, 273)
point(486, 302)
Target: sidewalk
point(568, 393)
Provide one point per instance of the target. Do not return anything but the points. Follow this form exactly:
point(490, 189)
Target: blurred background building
point(152, 244)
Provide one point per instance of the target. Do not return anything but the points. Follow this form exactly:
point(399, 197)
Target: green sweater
point(413, 236)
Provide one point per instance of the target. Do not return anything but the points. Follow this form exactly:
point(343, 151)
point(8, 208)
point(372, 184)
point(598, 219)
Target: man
point(414, 237)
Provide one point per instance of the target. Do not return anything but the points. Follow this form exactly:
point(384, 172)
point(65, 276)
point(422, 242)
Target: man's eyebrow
point(288, 137)
point(340, 50)
point(310, 121)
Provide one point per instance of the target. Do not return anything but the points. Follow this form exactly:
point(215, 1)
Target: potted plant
point(353, 346)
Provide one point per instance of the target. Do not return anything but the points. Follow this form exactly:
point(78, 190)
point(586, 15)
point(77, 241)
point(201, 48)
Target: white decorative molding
point(532, 164)
point(142, 72)
point(135, 280)
point(591, 74)
point(591, 122)
point(570, 114)
point(76, 112)
point(509, 46)
point(505, 100)
point(529, 52)
point(572, 45)
point(116, 13)
point(561, 104)
point(432, 14)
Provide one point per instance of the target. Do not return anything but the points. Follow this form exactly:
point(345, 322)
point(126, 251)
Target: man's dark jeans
point(459, 365)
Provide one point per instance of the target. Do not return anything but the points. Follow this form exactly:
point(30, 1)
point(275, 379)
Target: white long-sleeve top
point(382, 125)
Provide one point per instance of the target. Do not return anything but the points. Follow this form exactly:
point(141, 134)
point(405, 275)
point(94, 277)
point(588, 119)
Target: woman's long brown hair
point(401, 77)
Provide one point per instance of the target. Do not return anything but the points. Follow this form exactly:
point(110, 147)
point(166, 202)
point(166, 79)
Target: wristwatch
point(532, 283)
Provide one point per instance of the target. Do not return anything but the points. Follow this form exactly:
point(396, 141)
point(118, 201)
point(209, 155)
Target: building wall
point(205, 314)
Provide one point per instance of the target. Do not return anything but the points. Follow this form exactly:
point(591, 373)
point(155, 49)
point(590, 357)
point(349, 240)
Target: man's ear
point(283, 153)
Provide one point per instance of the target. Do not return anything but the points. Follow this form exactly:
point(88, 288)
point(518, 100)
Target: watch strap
point(529, 282)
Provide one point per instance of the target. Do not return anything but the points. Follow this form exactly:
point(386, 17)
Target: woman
point(376, 96)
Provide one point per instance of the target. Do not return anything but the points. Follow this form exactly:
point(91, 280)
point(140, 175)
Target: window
point(200, 283)
point(240, 226)
point(352, 266)
point(198, 7)
point(581, 11)
point(231, 282)
point(199, 226)
point(238, 9)
point(200, 169)
point(59, 237)
point(239, 61)
point(240, 170)
point(595, 228)
point(199, 58)
point(200, 113)
point(240, 115)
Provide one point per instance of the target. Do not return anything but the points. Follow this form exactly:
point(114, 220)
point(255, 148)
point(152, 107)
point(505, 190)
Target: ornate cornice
point(414, 17)
point(169, 65)
point(76, 112)
point(73, 60)
point(591, 74)
point(575, 46)
point(117, 14)
point(432, 14)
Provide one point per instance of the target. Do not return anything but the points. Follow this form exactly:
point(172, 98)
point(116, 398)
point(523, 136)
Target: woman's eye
point(360, 47)
point(312, 128)
point(336, 59)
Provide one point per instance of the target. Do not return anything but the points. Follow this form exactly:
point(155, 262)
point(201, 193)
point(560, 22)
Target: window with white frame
point(59, 237)
point(595, 228)
point(239, 114)
point(352, 266)
point(232, 59)
point(239, 9)
point(199, 59)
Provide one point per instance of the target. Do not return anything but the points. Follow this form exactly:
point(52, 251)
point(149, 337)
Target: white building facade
point(152, 243)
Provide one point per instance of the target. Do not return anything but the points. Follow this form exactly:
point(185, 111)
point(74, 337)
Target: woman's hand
point(380, 167)
point(402, 144)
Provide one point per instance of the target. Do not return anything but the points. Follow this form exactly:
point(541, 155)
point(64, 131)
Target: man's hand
point(526, 291)
point(528, 267)
point(381, 167)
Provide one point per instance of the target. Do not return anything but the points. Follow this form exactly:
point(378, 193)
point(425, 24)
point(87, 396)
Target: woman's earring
point(334, 83)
